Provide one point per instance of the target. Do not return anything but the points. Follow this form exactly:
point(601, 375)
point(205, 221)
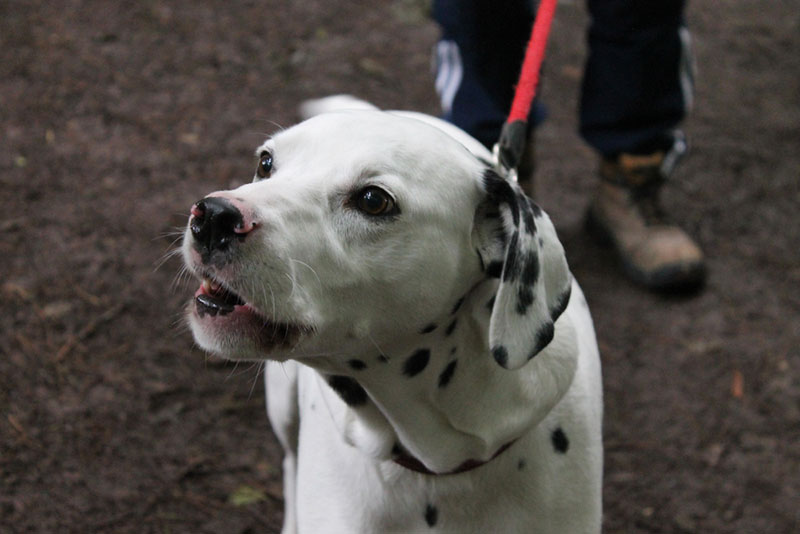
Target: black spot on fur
point(417, 362)
point(383, 358)
point(529, 271)
point(543, 338)
point(530, 227)
point(357, 365)
point(497, 188)
point(537, 211)
point(500, 354)
point(514, 208)
point(512, 268)
point(431, 515)
point(527, 213)
point(348, 389)
point(453, 350)
point(524, 299)
point(458, 305)
point(500, 236)
point(561, 303)
point(499, 191)
point(451, 327)
point(428, 329)
point(560, 441)
point(447, 374)
point(521, 464)
point(530, 267)
point(494, 269)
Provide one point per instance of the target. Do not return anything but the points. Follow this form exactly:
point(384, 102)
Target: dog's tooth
point(207, 285)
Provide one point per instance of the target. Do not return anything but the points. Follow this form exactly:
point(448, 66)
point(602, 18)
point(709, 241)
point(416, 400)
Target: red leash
point(509, 149)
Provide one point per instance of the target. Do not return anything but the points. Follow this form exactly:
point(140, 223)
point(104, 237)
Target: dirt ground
point(115, 119)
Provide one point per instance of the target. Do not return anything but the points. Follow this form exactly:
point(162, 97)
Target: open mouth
point(220, 309)
point(213, 298)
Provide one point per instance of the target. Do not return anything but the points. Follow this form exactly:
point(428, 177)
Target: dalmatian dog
point(431, 362)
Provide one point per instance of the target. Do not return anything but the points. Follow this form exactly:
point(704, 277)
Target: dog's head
point(358, 230)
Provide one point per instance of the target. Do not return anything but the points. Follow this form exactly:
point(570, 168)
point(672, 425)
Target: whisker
point(309, 268)
point(259, 371)
point(182, 277)
point(239, 372)
point(294, 284)
point(279, 127)
point(233, 371)
point(166, 257)
point(379, 349)
point(180, 325)
point(266, 300)
point(176, 231)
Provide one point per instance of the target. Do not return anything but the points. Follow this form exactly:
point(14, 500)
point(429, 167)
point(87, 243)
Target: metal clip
point(502, 170)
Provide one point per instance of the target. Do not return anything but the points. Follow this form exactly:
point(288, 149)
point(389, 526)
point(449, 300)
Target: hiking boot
point(625, 212)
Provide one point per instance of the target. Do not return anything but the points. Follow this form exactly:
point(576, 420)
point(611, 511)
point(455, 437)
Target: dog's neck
point(440, 397)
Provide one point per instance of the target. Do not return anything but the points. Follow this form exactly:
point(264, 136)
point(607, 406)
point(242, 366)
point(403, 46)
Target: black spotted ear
point(529, 260)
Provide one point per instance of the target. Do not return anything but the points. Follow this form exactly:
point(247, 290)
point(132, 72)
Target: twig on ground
point(88, 330)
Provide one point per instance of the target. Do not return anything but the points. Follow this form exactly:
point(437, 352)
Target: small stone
point(685, 522)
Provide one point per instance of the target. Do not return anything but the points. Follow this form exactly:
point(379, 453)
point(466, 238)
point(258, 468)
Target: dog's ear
point(519, 245)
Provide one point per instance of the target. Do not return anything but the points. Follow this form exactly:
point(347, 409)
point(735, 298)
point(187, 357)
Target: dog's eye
point(375, 201)
point(264, 165)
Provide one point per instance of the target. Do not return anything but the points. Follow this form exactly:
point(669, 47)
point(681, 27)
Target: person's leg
point(478, 60)
point(636, 90)
point(637, 85)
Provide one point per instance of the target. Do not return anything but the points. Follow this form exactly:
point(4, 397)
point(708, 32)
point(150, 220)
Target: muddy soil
point(115, 118)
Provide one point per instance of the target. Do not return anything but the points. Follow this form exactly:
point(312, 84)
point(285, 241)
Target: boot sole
point(682, 278)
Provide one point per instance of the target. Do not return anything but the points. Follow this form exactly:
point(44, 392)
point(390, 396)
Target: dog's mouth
point(214, 299)
point(220, 309)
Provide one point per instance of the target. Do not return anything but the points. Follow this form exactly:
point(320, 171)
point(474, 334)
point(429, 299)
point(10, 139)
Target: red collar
point(409, 462)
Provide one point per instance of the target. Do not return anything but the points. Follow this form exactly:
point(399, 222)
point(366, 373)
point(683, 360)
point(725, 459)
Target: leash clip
point(509, 173)
point(507, 152)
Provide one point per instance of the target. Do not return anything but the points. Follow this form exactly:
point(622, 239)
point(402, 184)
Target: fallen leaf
point(737, 384)
point(245, 495)
point(189, 138)
point(372, 67)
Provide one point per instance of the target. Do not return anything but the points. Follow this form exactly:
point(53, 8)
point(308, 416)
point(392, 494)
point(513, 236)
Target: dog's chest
point(341, 489)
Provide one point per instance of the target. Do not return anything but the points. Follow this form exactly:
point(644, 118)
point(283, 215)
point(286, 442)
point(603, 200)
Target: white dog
point(432, 364)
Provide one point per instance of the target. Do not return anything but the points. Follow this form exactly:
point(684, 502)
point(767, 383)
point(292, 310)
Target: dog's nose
point(216, 222)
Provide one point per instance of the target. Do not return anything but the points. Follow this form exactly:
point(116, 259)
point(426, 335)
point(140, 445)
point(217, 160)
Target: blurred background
point(115, 117)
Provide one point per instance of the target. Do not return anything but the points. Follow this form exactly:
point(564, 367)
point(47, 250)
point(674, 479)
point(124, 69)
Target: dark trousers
point(637, 83)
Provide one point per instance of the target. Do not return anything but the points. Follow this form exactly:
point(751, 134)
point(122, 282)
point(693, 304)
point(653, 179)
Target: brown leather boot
point(625, 212)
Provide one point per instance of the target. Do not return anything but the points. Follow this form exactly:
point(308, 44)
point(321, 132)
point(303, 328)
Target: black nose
point(214, 223)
